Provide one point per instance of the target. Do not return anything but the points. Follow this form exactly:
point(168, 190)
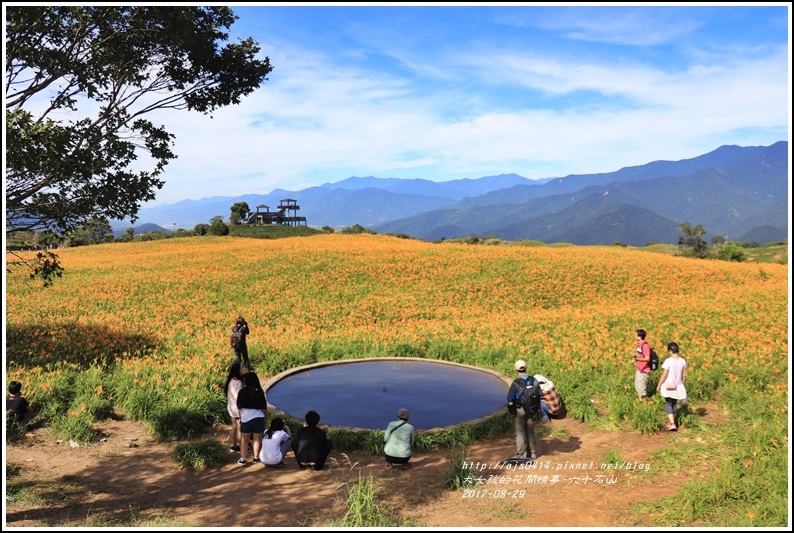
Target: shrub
point(730, 252)
point(178, 423)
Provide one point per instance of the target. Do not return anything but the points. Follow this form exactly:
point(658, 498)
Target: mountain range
point(740, 193)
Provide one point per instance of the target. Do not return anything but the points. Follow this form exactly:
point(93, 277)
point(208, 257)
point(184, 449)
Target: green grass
point(458, 475)
point(55, 493)
point(365, 510)
point(200, 454)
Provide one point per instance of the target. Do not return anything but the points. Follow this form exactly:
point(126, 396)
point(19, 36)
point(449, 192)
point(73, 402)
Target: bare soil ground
point(129, 472)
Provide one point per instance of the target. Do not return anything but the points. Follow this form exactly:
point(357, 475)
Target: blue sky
point(446, 92)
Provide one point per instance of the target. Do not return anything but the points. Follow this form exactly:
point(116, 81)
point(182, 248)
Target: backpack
point(529, 395)
point(654, 360)
point(236, 340)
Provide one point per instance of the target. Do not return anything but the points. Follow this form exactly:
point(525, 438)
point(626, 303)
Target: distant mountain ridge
point(732, 191)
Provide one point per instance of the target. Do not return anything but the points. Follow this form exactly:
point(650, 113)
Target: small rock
point(130, 444)
point(103, 440)
point(73, 444)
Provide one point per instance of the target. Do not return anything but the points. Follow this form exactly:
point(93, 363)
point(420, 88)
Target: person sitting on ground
point(276, 443)
point(18, 409)
point(398, 440)
point(550, 402)
point(311, 445)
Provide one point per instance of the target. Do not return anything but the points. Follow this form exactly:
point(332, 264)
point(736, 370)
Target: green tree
point(95, 231)
point(127, 236)
point(80, 81)
point(692, 243)
point(239, 212)
point(217, 226)
point(201, 229)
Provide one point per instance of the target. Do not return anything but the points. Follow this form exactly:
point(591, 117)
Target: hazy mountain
point(722, 157)
point(730, 191)
point(365, 201)
point(729, 200)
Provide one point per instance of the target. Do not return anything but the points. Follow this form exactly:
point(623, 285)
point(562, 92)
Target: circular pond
point(366, 393)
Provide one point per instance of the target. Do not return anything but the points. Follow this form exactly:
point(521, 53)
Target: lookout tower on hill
point(286, 214)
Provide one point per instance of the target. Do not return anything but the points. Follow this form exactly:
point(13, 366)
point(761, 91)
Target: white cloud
point(324, 116)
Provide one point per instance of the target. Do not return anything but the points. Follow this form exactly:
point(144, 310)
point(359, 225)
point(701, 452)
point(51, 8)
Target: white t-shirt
point(271, 453)
point(231, 397)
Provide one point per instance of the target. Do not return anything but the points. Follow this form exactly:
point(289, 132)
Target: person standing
point(252, 403)
point(398, 439)
point(524, 424)
point(671, 384)
point(241, 347)
point(642, 362)
point(232, 390)
point(311, 444)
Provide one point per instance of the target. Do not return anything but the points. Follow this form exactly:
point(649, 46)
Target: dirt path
point(128, 471)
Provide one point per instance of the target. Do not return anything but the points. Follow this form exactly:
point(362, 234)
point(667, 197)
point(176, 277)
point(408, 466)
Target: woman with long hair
point(232, 390)
point(672, 384)
point(252, 403)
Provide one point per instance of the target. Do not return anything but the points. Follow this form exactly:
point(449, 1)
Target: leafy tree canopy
point(217, 226)
point(691, 242)
point(79, 82)
point(239, 212)
point(95, 231)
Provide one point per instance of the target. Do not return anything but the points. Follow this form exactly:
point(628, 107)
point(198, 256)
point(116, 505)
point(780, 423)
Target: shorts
point(256, 425)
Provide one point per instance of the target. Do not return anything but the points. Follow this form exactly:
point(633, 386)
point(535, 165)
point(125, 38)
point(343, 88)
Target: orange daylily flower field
point(129, 321)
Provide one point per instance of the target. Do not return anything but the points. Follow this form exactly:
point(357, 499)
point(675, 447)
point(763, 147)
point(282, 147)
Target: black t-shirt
point(16, 407)
point(310, 444)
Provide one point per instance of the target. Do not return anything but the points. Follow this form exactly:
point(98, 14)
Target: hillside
point(138, 332)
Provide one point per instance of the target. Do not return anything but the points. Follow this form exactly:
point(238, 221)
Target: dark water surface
point(367, 394)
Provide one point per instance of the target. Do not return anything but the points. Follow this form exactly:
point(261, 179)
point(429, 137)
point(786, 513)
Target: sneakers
point(241, 461)
point(520, 456)
point(387, 466)
point(256, 460)
point(407, 466)
point(545, 420)
point(533, 456)
point(671, 427)
point(234, 449)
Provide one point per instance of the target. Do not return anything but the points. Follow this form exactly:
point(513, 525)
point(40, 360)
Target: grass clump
point(199, 454)
point(458, 476)
point(364, 509)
